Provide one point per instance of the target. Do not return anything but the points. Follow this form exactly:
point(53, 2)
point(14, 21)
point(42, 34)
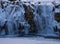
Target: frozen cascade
point(44, 19)
point(13, 17)
point(47, 19)
point(18, 19)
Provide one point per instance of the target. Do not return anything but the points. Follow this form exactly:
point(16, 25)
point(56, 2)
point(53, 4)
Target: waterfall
point(18, 19)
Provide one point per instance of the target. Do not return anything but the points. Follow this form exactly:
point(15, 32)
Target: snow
point(35, 0)
point(29, 40)
point(32, 0)
point(57, 10)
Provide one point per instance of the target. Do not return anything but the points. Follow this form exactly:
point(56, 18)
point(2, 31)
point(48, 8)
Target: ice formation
point(27, 18)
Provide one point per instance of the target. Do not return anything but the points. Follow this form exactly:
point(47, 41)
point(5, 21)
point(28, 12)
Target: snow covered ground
point(29, 40)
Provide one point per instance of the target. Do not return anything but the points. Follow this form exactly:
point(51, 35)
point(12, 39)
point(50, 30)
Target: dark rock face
point(57, 17)
point(12, 0)
point(29, 17)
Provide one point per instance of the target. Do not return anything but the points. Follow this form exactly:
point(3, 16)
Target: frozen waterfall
point(19, 19)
